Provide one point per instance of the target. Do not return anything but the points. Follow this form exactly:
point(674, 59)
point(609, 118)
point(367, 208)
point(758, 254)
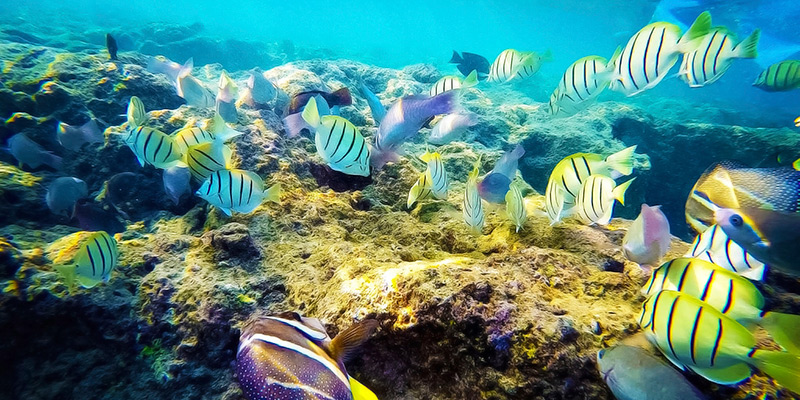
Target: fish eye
point(736, 220)
point(601, 353)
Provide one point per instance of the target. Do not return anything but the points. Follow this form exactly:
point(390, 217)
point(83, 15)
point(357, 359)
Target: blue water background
point(399, 33)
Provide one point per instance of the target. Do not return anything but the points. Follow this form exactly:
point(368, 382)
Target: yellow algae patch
point(7, 66)
point(63, 250)
point(17, 176)
point(103, 81)
point(12, 288)
point(243, 298)
point(61, 58)
point(111, 67)
point(119, 87)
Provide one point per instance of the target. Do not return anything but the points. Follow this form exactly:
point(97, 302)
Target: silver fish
point(63, 193)
point(30, 153)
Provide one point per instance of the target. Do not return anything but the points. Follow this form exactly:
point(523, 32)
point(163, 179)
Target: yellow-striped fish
point(515, 206)
point(213, 129)
point(286, 356)
point(731, 294)
point(580, 85)
point(237, 190)
point(714, 55)
point(206, 158)
point(652, 52)
point(780, 77)
point(472, 206)
point(136, 113)
point(94, 261)
point(715, 246)
point(421, 189)
point(567, 177)
point(693, 334)
point(153, 147)
point(512, 64)
point(595, 202)
point(452, 82)
point(338, 141)
point(439, 181)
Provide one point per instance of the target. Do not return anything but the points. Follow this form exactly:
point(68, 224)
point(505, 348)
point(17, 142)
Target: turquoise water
point(394, 34)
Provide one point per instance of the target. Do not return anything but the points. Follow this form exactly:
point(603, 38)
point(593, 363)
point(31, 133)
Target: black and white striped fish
point(693, 334)
point(237, 190)
point(515, 206)
point(136, 113)
point(715, 246)
point(512, 64)
point(714, 55)
point(206, 158)
point(452, 82)
point(780, 77)
point(338, 141)
point(595, 202)
point(582, 82)
point(421, 189)
point(97, 256)
point(652, 52)
point(287, 356)
point(472, 206)
point(151, 146)
point(439, 181)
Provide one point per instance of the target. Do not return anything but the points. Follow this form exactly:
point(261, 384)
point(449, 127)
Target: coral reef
point(494, 316)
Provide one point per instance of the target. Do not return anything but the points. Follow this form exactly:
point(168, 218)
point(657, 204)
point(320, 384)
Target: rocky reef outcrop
point(501, 315)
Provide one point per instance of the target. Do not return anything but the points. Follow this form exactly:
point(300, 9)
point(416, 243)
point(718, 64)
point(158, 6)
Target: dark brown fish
point(111, 46)
point(339, 97)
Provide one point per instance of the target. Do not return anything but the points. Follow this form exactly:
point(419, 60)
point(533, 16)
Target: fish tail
point(360, 392)
point(783, 329)
point(547, 56)
point(273, 194)
point(186, 69)
point(310, 113)
point(619, 191)
point(456, 58)
point(781, 366)
point(54, 161)
point(700, 27)
point(295, 123)
point(471, 79)
point(748, 48)
point(380, 157)
point(622, 161)
point(68, 273)
point(343, 97)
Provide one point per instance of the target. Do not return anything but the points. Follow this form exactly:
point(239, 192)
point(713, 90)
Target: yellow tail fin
point(311, 113)
point(619, 191)
point(622, 161)
point(471, 79)
point(273, 194)
point(783, 367)
point(783, 329)
point(360, 392)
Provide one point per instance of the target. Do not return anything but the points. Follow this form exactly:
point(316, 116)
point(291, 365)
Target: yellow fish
point(97, 256)
point(693, 334)
point(472, 206)
point(452, 82)
point(515, 206)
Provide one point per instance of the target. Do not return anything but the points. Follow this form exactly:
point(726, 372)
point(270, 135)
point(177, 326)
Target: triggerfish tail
point(456, 58)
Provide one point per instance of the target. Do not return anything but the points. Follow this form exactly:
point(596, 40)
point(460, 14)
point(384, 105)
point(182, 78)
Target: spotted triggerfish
point(290, 357)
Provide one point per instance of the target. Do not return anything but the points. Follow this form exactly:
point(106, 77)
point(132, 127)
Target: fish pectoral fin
point(227, 211)
point(68, 273)
point(345, 343)
point(360, 392)
point(726, 376)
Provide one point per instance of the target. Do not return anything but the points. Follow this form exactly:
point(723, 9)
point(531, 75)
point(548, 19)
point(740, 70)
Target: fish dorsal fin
point(257, 179)
point(346, 342)
point(360, 392)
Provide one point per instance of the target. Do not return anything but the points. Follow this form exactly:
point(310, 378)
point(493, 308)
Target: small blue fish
point(495, 184)
point(290, 357)
point(176, 182)
point(404, 119)
point(73, 137)
point(63, 193)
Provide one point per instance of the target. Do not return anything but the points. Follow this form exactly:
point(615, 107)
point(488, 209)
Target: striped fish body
point(439, 182)
point(153, 147)
point(341, 145)
point(471, 207)
point(646, 59)
point(206, 158)
point(580, 85)
point(452, 82)
point(693, 334)
point(554, 201)
point(285, 358)
point(716, 247)
point(729, 293)
point(192, 136)
point(136, 113)
point(570, 173)
point(780, 77)
point(714, 55)
point(236, 190)
point(595, 201)
point(96, 257)
point(515, 207)
point(512, 64)
point(421, 189)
